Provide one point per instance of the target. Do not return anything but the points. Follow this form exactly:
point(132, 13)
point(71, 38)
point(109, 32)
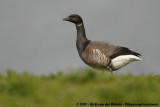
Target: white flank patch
point(123, 60)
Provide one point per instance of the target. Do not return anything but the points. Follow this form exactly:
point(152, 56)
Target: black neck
point(82, 41)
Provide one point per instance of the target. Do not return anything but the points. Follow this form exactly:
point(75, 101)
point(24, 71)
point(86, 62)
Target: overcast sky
point(33, 36)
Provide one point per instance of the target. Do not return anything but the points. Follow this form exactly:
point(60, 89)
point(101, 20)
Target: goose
point(100, 55)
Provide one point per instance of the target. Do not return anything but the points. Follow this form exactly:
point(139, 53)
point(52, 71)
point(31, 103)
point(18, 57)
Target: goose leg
point(110, 70)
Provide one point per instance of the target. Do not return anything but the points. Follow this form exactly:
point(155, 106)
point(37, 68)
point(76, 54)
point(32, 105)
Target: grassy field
point(78, 88)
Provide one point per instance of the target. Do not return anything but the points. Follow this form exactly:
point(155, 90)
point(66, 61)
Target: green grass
point(79, 86)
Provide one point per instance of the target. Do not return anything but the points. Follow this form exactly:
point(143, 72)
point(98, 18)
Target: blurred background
point(34, 38)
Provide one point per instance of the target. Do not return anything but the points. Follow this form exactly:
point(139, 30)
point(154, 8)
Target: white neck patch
point(78, 25)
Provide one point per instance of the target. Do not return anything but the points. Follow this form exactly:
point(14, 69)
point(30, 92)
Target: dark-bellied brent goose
point(100, 54)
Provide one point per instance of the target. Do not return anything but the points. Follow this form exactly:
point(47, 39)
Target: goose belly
point(96, 59)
